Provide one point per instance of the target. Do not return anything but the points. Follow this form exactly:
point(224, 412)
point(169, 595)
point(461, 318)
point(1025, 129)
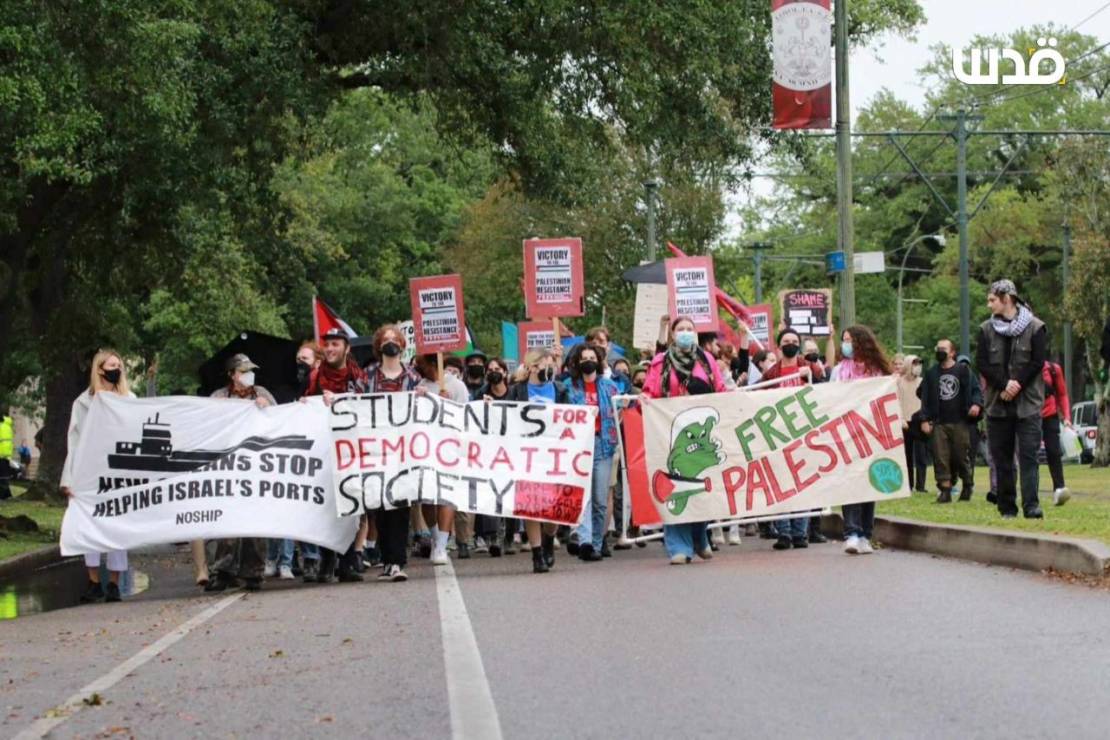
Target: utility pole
point(651, 186)
point(1067, 324)
point(960, 134)
point(758, 248)
point(844, 235)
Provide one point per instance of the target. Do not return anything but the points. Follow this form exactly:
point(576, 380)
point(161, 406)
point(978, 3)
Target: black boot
point(111, 594)
point(945, 496)
point(464, 551)
point(311, 570)
point(965, 495)
point(605, 551)
point(539, 565)
point(94, 592)
point(783, 543)
point(548, 548)
point(326, 573)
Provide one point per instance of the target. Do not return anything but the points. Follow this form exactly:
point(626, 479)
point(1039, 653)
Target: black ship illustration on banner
point(155, 452)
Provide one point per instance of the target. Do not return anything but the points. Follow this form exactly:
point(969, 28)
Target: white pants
point(117, 560)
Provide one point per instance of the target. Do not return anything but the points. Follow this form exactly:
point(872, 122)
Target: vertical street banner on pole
point(802, 49)
point(534, 335)
point(437, 313)
point(554, 284)
point(691, 291)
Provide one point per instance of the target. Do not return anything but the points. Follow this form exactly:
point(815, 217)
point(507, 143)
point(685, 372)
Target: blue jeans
point(685, 539)
point(309, 551)
point(859, 519)
point(796, 528)
point(281, 551)
point(595, 506)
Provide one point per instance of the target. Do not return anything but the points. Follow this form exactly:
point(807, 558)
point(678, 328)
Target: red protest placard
point(437, 313)
point(553, 278)
point(534, 335)
point(691, 291)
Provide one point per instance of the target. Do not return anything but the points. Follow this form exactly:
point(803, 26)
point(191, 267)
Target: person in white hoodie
point(107, 375)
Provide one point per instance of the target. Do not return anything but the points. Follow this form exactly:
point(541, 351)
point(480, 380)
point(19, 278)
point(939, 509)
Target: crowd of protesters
point(1020, 396)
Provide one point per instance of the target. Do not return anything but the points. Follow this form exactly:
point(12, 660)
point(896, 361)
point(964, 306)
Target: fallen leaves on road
point(277, 654)
point(93, 700)
point(327, 718)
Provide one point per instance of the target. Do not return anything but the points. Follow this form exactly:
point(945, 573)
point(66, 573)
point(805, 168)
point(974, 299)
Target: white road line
point(473, 714)
point(59, 714)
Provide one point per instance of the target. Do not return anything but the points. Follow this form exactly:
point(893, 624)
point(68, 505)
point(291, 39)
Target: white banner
point(524, 460)
point(162, 470)
point(775, 451)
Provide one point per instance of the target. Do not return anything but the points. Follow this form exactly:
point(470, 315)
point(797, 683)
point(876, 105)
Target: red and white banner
point(523, 460)
point(532, 335)
point(802, 79)
point(761, 323)
point(691, 291)
point(438, 316)
point(324, 320)
point(765, 452)
point(553, 278)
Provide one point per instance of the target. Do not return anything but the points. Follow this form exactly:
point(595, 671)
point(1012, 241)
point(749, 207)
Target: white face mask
point(247, 379)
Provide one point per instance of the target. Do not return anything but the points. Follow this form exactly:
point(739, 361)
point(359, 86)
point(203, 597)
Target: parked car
point(1084, 418)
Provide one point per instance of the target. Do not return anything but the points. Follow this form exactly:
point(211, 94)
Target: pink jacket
point(653, 383)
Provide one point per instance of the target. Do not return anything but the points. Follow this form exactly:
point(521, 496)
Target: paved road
point(754, 643)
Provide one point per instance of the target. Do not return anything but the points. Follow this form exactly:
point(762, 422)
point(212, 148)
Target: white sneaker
point(717, 537)
point(1060, 496)
point(480, 544)
point(706, 554)
point(270, 570)
point(679, 560)
point(865, 546)
point(851, 545)
point(734, 536)
point(393, 573)
point(285, 573)
point(439, 556)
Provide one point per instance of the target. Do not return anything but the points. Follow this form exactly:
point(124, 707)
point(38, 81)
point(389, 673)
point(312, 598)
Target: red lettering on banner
point(574, 463)
point(501, 457)
point(853, 422)
point(365, 452)
point(553, 502)
point(734, 480)
point(568, 433)
point(890, 426)
point(780, 495)
point(473, 450)
point(811, 444)
point(339, 459)
point(757, 480)
point(795, 466)
point(556, 461)
point(396, 447)
point(439, 452)
point(831, 430)
point(528, 453)
point(416, 455)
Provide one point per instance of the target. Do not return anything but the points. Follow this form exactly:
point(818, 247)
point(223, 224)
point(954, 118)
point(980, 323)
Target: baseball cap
point(240, 362)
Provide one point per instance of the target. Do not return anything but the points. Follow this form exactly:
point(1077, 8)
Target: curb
point(989, 546)
point(21, 564)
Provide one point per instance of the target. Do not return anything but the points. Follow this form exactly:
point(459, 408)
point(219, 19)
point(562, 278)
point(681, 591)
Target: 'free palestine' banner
point(765, 452)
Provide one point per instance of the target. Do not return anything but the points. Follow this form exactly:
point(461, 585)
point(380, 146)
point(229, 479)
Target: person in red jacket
point(1056, 409)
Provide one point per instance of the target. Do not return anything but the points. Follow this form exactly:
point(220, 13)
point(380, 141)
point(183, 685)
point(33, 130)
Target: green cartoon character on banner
point(693, 451)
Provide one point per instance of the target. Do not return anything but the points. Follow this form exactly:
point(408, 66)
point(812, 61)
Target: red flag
point(324, 320)
point(801, 86)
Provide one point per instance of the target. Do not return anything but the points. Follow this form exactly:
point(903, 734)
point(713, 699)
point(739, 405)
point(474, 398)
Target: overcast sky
point(894, 62)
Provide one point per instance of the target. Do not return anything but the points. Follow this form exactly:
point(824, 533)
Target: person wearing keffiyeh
point(1010, 355)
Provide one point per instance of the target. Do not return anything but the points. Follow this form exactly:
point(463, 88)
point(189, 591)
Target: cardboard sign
point(807, 311)
point(761, 323)
point(437, 313)
point(651, 305)
point(534, 335)
point(691, 291)
point(553, 278)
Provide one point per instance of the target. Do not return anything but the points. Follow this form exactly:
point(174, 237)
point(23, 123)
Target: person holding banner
point(862, 357)
point(107, 375)
point(589, 388)
point(684, 369)
point(390, 375)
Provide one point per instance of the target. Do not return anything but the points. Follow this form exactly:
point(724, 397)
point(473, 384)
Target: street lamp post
point(939, 238)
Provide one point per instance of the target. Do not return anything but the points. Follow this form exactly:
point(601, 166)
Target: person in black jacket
point(1011, 355)
point(950, 395)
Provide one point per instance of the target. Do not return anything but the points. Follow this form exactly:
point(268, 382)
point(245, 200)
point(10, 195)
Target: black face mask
point(546, 375)
point(475, 372)
point(790, 350)
point(303, 371)
point(391, 349)
point(495, 376)
point(942, 356)
point(113, 376)
point(588, 367)
point(638, 385)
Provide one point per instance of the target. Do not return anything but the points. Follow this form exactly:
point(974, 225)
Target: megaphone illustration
point(663, 488)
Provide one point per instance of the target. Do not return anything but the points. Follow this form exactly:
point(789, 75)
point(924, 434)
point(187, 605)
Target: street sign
point(834, 262)
point(866, 262)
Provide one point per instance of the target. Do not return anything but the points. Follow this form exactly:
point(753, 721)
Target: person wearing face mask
point(588, 387)
point(949, 397)
point(454, 366)
point(908, 376)
point(861, 357)
point(487, 528)
point(1010, 354)
point(761, 362)
point(106, 375)
point(639, 377)
point(535, 382)
point(790, 367)
point(309, 357)
point(684, 369)
point(475, 371)
point(243, 558)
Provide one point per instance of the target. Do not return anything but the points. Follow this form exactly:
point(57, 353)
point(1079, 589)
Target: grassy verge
point(1086, 515)
point(49, 519)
